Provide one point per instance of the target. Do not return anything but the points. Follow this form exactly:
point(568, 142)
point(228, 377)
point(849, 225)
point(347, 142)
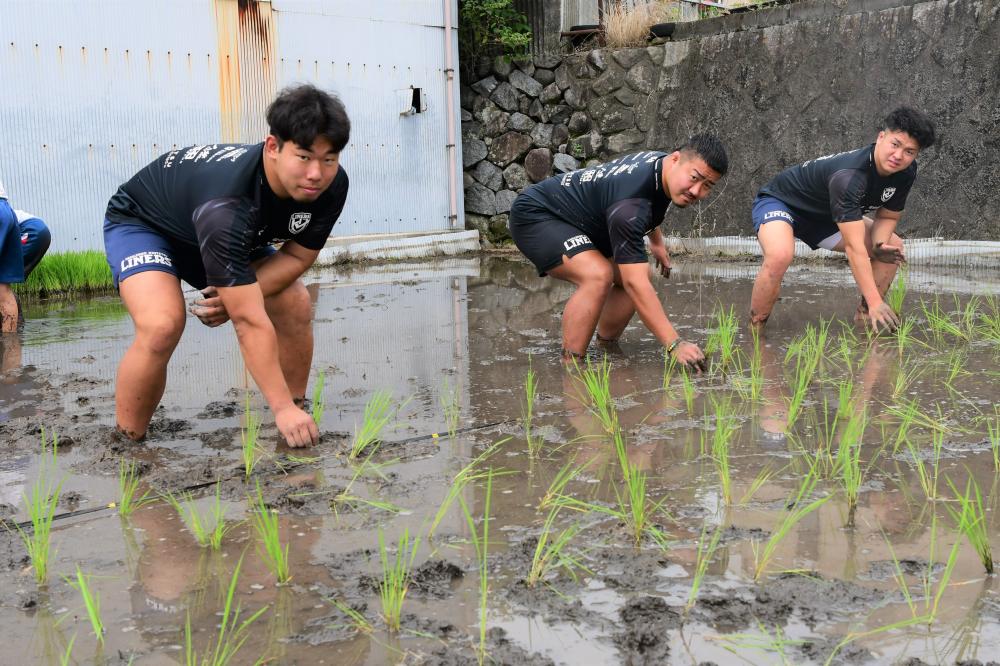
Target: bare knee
point(291, 307)
point(159, 335)
point(600, 280)
point(776, 263)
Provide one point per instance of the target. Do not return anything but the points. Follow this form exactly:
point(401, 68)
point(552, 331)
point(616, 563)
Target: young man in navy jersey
point(588, 227)
point(208, 215)
point(826, 203)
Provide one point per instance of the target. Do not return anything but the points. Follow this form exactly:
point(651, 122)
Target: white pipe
point(450, 102)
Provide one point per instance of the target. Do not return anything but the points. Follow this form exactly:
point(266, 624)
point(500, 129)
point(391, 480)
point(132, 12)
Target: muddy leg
point(591, 272)
point(8, 309)
point(617, 313)
point(156, 305)
point(290, 312)
point(778, 244)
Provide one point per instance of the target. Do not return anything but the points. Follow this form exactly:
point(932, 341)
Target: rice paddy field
point(820, 496)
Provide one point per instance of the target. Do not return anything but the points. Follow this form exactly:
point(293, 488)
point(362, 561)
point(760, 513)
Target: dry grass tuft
point(626, 25)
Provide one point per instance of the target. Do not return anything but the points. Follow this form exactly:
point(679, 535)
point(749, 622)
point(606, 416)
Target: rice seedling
point(722, 339)
point(528, 411)
point(931, 593)
point(317, 398)
point(970, 520)
point(897, 291)
point(358, 621)
point(903, 334)
point(927, 473)
point(940, 323)
point(265, 525)
point(463, 478)
point(706, 551)
point(687, 387)
point(725, 428)
point(807, 352)
point(376, 417)
point(208, 530)
point(596, 381)
point(64, 658)
point(848, 461)
point(128, 489)
point(798, 510)
point(854, 636)
point(993, 430)
point(68, 272)
point(450, 400)
point(905, 377)
point(234, 630)
point(634, 507)
point(482, 544)
point(566, 473)
point(989, 320)
point(91, 601)
point(738, 644)
point(759, 481)
point(395, 576)
point(41, 506)
point(252, 452)
point(551, 551)
point(669, 367)
point(956, 365)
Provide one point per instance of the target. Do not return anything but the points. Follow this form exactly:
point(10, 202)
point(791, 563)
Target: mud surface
point(452, 342)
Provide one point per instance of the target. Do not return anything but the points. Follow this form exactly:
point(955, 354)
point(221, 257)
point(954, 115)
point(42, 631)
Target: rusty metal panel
point(95, 89)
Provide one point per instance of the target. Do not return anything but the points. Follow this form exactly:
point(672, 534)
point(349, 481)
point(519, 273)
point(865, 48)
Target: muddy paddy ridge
point(800, 503)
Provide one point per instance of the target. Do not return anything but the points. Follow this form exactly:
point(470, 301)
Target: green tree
point(491, 27)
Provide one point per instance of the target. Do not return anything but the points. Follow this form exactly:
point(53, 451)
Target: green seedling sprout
point(41, 505)
point(940, 323)
point(395, 576)
point(528, 412)
point(931, 594)
point(252, 453)
point(376, 417)
point(317, 398)
point(759, 481)
point(971, 521)
point(91, 600)
point(989, 320)
point(725, 428)
point(687, 387)
point(208, 530)
point(634, 506)
point(265, 525)
point(128, 489)
point(739, 643)
point(956, 366)
point(993, 429)
point(65, 657)
point(706, 552)
point(233, 630)
point(566, 473)
point(723, 337)
point(358, 621)
point(928, 474)
point(468, 474)
point(797, 512)
point(596, 381)
point(669, 367)
point(551, 551)
point(482, 544)
point(451, 405)
point(897, 291)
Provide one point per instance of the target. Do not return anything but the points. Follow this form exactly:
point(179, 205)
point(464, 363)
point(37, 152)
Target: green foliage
point(62, 272)
point(488, 27)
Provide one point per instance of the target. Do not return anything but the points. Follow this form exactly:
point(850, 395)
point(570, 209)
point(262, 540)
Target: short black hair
point(914, 123)
point(709, 148)
point(303, 112)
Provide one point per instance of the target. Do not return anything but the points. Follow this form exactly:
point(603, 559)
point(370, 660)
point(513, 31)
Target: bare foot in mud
point(134, 437)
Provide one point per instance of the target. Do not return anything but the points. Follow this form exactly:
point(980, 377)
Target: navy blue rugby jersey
point(616, 204)
point(842, 187)
point(215, 200)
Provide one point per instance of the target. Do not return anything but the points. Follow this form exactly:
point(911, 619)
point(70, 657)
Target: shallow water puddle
point(451, 340)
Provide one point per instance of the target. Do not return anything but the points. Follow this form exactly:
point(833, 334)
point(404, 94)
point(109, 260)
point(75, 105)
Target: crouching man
point(588, 227)
point(208, 215)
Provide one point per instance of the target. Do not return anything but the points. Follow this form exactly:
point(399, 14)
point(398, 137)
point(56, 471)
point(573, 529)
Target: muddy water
point(462, 331)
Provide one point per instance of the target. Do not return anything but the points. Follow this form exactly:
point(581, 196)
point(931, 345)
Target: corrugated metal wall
point(94, 90)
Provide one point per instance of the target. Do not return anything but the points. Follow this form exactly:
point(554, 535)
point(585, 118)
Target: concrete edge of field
point(346, 249)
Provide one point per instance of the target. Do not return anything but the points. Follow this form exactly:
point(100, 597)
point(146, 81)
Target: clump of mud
point(646, 622)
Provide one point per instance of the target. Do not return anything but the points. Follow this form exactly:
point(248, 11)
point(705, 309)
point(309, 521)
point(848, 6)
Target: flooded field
point(817, 497)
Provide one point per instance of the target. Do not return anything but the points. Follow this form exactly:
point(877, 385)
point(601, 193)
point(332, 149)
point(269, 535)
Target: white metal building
point(95, 89)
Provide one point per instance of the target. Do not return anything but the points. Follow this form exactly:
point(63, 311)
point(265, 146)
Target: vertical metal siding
point(94, 90)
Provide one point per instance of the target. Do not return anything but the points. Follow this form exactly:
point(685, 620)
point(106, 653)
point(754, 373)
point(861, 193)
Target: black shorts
point(544, 238)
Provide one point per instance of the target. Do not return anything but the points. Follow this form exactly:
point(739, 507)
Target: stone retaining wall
point(779, 86)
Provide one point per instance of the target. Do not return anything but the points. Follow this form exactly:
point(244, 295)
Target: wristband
point(673, 345)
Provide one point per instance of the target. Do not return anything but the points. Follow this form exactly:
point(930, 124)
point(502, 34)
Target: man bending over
point(825, 202)
point(208, 215)
point(588, 227)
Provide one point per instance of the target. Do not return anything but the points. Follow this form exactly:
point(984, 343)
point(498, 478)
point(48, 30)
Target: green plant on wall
point(488, 27)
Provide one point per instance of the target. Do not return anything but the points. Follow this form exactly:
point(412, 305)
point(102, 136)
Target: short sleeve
point(897, 201)
point(225, 239)
point(628, 224)
point(847, 193)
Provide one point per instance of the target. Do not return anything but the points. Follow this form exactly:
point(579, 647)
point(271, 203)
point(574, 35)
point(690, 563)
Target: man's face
point(303, 173)
point(894, 152)
point(688, 178)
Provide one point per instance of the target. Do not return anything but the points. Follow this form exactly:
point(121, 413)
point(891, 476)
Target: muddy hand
point(297, 427)
point(691, 356)
point(209, 309)
point(662, 262)
point(889, 254)
point(883, 317)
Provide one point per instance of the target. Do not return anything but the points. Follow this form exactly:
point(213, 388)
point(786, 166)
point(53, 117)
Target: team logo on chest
point(299, 221)
point(887, 193)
